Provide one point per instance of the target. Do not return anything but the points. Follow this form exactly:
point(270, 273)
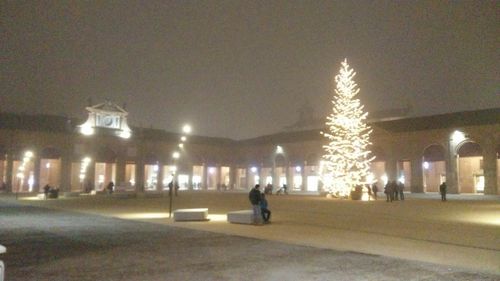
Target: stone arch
point(50, 166)
point(296, 160)
point(280, 160)
point(433, 167)
point(469, 149)
point(197, 159)
point(433, 153)
point(106, 155)
point(470, 170)
point(313, 159)
point(50, 153)
point(151, 158)
point(379, 153)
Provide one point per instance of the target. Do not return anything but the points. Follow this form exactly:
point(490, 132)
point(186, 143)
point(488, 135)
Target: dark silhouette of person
point(46, 190)
point(110, 187)
point(255, 197)
point(282, 189)
point(442, 190)
point(176, 187)
point(173, 186)
point(266, 214)
point(401, 188)
point(374, 190)
point(389, 194)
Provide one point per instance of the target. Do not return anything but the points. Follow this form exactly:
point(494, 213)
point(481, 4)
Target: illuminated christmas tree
point(346, 162)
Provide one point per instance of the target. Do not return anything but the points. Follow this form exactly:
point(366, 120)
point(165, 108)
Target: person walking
point(255, 197)
point(401, 188)
point(442, 190)
point(395, 190)
point(374, 190)
point(388, 192)
point(266, 214)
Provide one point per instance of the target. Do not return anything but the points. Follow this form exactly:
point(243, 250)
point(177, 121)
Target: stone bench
point(242, 216)
point(2, 267)
point(200, 214)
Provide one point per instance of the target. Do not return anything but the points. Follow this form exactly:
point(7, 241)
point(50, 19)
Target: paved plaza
point(310, 238)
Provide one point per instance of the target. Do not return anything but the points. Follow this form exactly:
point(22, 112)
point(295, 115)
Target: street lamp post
point(172, 184)
point(186, 129)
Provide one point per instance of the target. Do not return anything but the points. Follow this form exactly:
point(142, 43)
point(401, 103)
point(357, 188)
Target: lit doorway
point(433, 167)
point(470, 168)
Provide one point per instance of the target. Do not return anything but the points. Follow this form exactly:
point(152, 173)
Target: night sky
point(242, 69)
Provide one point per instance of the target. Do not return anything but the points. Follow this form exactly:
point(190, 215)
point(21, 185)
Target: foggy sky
point(241, 69)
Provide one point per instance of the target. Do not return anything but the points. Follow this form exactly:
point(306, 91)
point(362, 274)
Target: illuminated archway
point(378, 166)
point(50, 167)
point(24, 171)
point(433, 167)
point(470, 168)
point(105, 167)
point(311, 172)
point(151, 171)
point(280, 172)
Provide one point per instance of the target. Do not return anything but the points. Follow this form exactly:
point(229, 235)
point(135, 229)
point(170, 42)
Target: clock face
point(108, 121)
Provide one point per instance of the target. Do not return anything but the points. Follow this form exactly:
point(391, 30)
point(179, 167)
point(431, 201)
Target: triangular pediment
point(106, 117)
point(108, 107)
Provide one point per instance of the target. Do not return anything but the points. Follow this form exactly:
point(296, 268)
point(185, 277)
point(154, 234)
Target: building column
point(451, 169)
point(139, 175)
point(9, 172)
point(159, 176)
point(204, 180)
point(232, 177)
point(276, 181)
point(391, 168)
point(36, 173)
point(259, 172)
point(417, 177)
point(289, 178)
point(90, 174)
point(218, 171)
point(304, 177)
point(248, 172)
point(120, 171)
point(65, 177)
point(490, 168)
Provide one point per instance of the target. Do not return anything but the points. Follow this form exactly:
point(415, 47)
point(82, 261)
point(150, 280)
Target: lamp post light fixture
point(171, 185)
point(186, 129)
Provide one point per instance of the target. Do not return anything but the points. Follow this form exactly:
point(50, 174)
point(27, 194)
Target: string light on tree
point(346, 162)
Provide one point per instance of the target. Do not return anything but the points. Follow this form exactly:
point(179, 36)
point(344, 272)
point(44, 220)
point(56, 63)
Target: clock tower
point(106, 117)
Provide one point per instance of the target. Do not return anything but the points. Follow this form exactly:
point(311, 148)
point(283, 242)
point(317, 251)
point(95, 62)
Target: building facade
point(460, 148)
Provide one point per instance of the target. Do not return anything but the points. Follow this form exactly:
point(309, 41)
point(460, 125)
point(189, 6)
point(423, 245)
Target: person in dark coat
point(266, 214)
point(46, 190)
point(374, 190)
point(442, 190)
point(401, 188)
point(388, 192)
point(173, 187)
point(255, 197)
point(110, 187)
